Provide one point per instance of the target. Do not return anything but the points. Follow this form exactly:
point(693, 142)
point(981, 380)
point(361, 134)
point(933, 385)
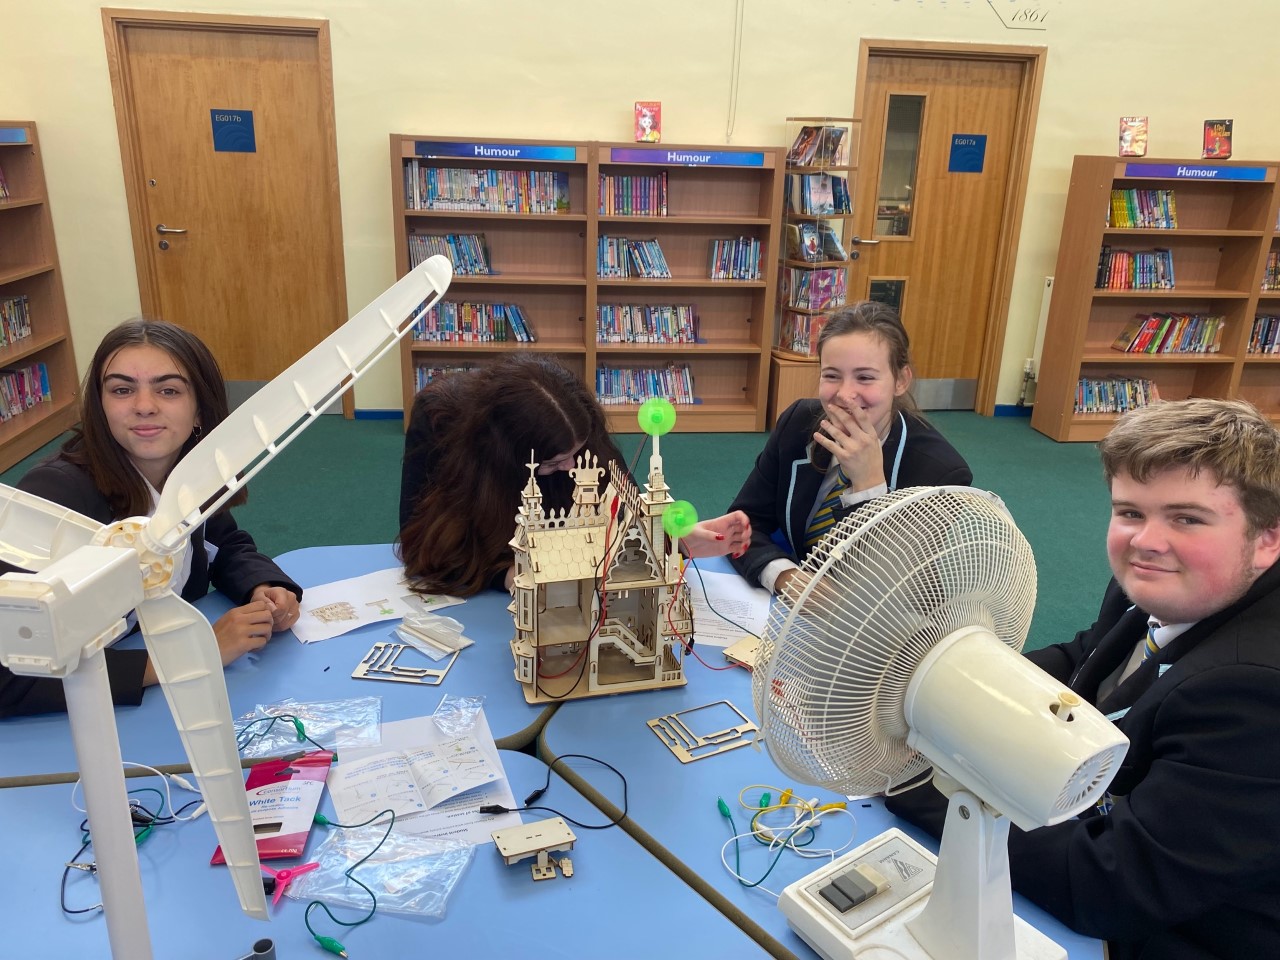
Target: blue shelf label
point(233, 131)
point(968, 153)
point(13, 134)
point(493, 151)
point(1194, 171)
point(687, 158)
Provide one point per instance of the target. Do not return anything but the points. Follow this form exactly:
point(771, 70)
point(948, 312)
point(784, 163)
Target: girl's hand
point(281, 602)
point(729, 534)
point(242, 629)
point(855, 445)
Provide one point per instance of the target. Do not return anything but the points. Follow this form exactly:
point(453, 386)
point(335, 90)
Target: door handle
point(161, 228)
point(857, 240)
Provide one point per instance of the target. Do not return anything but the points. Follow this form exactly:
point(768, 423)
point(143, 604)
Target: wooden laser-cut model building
point(611, 546)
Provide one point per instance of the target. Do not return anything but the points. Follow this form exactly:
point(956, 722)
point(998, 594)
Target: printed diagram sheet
point(413, 780)
point(733, 597)
point(333, 609)
point(435, 782)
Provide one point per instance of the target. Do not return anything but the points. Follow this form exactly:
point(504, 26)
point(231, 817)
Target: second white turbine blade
point(34, 532)
point(261, 427)
point(184, 654)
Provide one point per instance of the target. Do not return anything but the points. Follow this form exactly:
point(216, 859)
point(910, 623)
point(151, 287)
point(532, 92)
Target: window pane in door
point(898, 165)
point(888, 292)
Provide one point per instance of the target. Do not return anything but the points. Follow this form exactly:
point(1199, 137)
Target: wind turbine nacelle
point(50, 619)
point(1002, 728)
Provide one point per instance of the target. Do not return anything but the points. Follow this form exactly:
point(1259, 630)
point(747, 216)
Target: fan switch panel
point(848, 889)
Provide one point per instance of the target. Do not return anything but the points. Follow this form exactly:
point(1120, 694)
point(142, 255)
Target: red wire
point(688, 646)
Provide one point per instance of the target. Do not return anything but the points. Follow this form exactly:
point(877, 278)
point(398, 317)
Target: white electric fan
point(54, 622)
point(898, 651)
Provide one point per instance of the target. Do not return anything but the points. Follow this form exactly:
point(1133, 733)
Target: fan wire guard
point(881, 589)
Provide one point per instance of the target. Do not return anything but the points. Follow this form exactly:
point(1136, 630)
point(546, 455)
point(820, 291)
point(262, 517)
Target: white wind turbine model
point(88, 576)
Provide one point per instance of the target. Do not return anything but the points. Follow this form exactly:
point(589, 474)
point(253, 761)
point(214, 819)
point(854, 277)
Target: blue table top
point(674, 804)
point(317, 671)
point(496, 910)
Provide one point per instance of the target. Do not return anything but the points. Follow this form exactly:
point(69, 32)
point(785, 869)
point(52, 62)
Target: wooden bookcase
point(29, 267)
point(794, 364)
point(1226, 225)
point(546, 263)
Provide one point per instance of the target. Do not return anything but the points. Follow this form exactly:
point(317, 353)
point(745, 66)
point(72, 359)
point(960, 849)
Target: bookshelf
point(545, 262)
point(1226, 227)
point(813, 262)
point(30, 288)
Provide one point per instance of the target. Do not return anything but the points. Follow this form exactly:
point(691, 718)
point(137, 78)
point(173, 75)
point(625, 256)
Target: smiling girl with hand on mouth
point(860, 438)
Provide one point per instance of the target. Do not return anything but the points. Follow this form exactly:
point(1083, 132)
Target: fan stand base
point(877, 929)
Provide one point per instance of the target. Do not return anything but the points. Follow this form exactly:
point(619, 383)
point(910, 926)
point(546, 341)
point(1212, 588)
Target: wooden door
point(940, 187)
point(227, 131)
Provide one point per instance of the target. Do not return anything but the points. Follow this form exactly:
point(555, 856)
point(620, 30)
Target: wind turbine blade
point(260, 428)
point(185, 656)
point(34, 532)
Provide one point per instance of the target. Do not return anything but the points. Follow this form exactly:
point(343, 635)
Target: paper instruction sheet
point(731, 596)
point(332, 609)
point(435, 782)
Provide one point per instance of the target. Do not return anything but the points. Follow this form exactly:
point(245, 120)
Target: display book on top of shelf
point(686, 312)
point(813, 265)
point(37, 362)
point(1194, 337)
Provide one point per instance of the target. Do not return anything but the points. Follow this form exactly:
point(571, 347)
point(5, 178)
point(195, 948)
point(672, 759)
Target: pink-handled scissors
point(284, 876)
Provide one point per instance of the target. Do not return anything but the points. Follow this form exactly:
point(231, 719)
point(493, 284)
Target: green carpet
point(340, 483)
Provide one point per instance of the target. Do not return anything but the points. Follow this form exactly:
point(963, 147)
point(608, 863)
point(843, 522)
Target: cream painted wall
point(570, 69)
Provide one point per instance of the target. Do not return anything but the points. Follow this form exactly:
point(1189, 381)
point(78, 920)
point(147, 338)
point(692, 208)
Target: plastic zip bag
point(457, 715)
point(411, 875)
point(334, 724)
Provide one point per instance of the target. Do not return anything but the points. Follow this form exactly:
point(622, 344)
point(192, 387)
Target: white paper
point(411, 781)
point(475, 769)
point(733, 597)
point(333, 609)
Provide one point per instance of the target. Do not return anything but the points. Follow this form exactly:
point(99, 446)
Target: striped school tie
point(825, 518)
point(1150, 648)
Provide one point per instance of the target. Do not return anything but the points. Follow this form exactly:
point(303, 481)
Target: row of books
point(1127, 270)
point(798, 332)
point(817, 289)
point(474, 322)
point(816, 146)
point(485, 190)
point(466, 251)
point(620, 257)
point(1146, 209)
point(15, 320)
point(646, 323)
point(614, 385)
point(737, 259)
point(22, 388)
point(1114, 394)
point(633, 196)
point(814, 241)
point(4, 186)
point(1271, 279)
point(1265, 335)
point(425, 373)
point(817, 193)
point(1171, 333)
point(617, 385)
